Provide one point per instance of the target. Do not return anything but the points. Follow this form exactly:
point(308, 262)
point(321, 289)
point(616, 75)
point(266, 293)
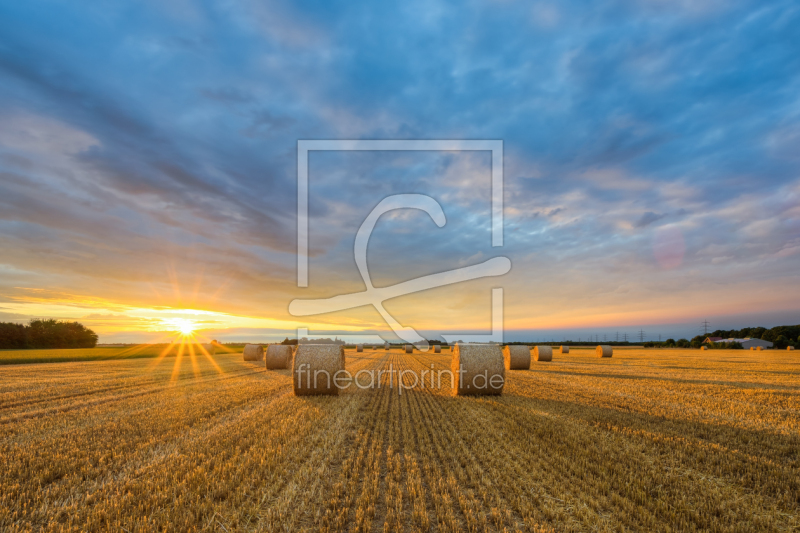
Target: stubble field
point(650, 440)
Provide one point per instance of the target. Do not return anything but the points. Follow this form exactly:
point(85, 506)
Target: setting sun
point(186, 327)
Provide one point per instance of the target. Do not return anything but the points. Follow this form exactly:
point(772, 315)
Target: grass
point(649, 440)
point(140, 351)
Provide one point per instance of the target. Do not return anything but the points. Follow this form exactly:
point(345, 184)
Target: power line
point(705, 325)
point(641, 335)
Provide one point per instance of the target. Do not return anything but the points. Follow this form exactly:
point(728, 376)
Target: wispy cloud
point(147, 155)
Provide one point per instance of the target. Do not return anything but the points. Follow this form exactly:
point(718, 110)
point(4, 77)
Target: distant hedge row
point(46, 333)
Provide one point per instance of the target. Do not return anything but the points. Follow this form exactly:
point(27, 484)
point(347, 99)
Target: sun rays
point(187, 343)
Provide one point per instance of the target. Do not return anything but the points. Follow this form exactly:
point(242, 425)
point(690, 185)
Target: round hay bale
point(409, 348)
point(209, 348)
point(253, 352)
point(437, 348)
point(604, 351)
point(753, 348)
point(704, 347)
point(475, 368)
point(359, 347)
point(517, 357)
point(543, 353)
point(386, 346)
point(278, 356)
point(789, 348)
point(565, 349)
point(760, 348)
point(315, 367)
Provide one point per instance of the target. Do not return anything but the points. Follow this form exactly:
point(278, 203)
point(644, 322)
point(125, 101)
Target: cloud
point(265, 123)
point(230, 95)
point(152, 160)
point(648, 218)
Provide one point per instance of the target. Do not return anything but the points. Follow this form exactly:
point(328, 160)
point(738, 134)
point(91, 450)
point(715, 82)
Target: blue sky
point(652, 158)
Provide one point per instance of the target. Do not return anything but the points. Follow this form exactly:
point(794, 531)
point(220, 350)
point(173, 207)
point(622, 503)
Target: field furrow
point(635, 443)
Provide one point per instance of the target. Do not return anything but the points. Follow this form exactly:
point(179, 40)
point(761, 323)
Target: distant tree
point(52, 333)
point(46, 333)
point(725, 346)
point(669, 342)
point(683, 343)
point(12, 336)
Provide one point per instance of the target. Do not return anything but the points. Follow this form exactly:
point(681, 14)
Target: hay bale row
point(409, 348)
point(475, 367)
point(315, 367)
point(565, 349)
point(517, 358)
point(253, 352)
point(437, 348)
point(604, 351)
point(278, 356)
point(359, 347)
point(543, 353)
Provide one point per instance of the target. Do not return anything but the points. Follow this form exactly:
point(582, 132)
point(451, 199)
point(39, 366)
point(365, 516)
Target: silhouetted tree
point(12, 336)
point(47, 333)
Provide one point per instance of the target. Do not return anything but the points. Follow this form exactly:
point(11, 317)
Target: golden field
point(103, 353)
point(649, 440)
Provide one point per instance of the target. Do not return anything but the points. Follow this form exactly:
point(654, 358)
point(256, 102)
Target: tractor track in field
point(102, 401)
point(237, 451)
point(211, 375)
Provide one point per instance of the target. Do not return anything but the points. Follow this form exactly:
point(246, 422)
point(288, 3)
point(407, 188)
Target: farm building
point(748, 343)
point(712, 339)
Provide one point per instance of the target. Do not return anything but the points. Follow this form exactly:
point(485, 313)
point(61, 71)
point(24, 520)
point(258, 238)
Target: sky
point(651, 166)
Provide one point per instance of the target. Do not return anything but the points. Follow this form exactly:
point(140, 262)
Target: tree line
point(44, 334)
point(780, 336)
